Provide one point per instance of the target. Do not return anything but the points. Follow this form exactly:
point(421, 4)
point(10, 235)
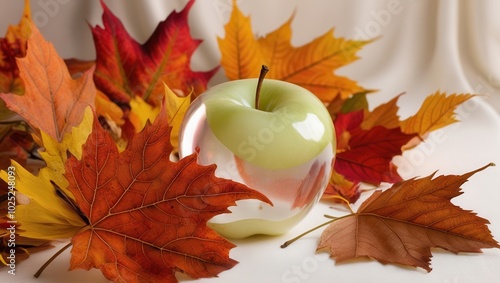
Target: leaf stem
point(329, 216)
point(289, 242)
point(262, 75)
point(39, 272)
point(344, 200)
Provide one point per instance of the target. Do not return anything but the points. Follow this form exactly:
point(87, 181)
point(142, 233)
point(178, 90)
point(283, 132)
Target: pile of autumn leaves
point(80, 130)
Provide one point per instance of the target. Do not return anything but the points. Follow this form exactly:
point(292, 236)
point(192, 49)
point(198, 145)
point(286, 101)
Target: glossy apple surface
point(284, 149)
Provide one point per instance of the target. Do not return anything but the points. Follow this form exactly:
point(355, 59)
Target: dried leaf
point(147, 215)
point(176, 109)
point(368, 140)
point(340, 186)
point(403, 223)
point(369, 158)
point(11, 150)
point(346, 123)
point(125, 68)
point(77, 67)
point(12, 46)
point(175, 106)
point(366, 155)
point(334, 107)
point(385, 115)
point(106, 108)
point(310, 65)
point(24, 247)
point(355, 103)
point(141, 113)
point(45, 215)
point(437, 111)
point(55, 153)
point(52, 102)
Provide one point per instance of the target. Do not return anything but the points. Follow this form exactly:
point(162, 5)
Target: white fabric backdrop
point(424, 45)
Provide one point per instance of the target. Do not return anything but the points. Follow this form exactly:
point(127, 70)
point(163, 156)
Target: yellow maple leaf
point(176, 107)
point(41, 212)
point(55, 152)
point(437, 111)
point(141, 112)
point(310, 66)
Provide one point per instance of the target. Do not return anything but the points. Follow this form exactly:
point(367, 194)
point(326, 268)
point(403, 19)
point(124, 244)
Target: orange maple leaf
point(147, 215)
point(385, 115)
point(437, 111)
point(53, 102)
point(310, 66)
point(402, 224)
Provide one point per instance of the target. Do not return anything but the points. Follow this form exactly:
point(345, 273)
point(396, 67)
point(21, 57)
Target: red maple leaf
point(370, 153)
point(125, 68)
point(147, 215)
point(366, 155)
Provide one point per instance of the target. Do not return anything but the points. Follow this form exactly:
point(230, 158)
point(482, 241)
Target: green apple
point(290, 127)
point(284, 148)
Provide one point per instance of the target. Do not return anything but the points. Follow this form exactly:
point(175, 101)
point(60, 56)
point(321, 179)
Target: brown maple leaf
point(402, 224)
point(310, 66)
point(147, 215)
point(52, 102)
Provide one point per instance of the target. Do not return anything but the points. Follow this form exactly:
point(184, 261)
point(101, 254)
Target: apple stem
point(263, 73)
